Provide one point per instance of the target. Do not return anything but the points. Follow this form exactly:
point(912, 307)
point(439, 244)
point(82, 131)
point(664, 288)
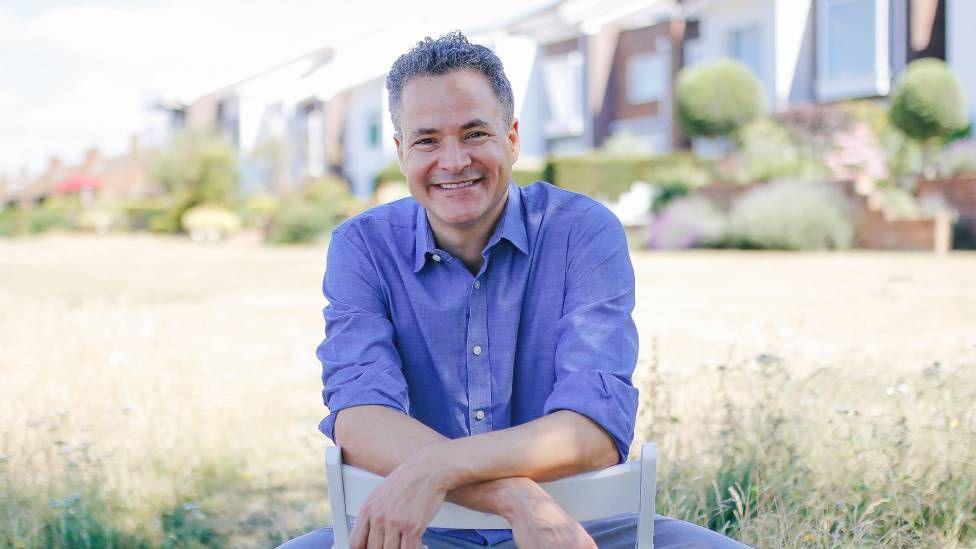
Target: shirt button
point(479, 415)
point(476, 350)
point(477, 284)
point(436, 257)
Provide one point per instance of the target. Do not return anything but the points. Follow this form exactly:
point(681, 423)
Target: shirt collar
point(511, 226)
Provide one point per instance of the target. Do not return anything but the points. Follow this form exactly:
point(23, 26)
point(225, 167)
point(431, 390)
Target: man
point(479, 335)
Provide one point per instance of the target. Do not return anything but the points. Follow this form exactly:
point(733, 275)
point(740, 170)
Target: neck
point(467, 243)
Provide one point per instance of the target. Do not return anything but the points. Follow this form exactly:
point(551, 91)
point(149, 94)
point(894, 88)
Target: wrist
point(516, 497)
point(439, 467)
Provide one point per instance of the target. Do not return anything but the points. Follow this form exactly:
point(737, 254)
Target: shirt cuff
point(605, 399)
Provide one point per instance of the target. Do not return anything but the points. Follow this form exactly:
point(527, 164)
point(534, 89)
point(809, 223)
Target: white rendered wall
point(361, 162)
point(718, 19)
point(793, 44)
point(961, 46)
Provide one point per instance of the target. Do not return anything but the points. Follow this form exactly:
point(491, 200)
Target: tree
point(197, 168)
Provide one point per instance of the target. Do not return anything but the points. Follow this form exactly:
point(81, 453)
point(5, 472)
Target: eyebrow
point(473, 123)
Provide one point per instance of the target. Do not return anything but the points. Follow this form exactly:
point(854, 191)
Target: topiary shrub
point(715, 99)
point(928, 101)
point(791, 215)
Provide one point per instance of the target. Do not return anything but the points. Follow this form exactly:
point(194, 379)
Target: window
point(563, 79)
point(745, 45)
point(647, 78)
point(852, 49)
point(373, 130)
point(849, 39)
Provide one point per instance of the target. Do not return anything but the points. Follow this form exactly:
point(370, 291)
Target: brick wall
point(958, 193)
point(872, 230)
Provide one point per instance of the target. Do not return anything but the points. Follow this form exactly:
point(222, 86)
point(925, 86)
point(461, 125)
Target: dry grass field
point(160, 393)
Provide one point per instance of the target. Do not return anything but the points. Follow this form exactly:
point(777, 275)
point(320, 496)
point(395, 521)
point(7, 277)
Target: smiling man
point(479, 334)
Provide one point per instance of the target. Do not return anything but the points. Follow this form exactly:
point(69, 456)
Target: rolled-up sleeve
point(360, 362)
point(596, 348)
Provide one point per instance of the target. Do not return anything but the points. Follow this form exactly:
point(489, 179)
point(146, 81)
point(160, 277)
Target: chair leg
point(337, 497)
point(648, 488)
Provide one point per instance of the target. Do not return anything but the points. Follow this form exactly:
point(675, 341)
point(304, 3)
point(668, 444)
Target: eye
point(424, 141)
point(477, 133)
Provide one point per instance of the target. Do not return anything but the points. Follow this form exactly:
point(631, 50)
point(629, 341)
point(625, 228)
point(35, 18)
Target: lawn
point(158, 392)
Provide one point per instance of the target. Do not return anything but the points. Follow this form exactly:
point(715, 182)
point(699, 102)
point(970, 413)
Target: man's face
point(453, 133)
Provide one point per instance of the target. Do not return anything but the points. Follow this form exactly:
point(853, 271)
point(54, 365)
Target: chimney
point(92, 158)
point(134, 150)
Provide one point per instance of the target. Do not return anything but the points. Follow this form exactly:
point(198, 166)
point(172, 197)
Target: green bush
point(322, 205)
point(606, 177)
point(766, 151)
point(10, 220)
point(258, 211)
point(151, 214)
point(928, 101)
point(791, 215)
point(53, 215)
point(715, 99)
point(391, 173)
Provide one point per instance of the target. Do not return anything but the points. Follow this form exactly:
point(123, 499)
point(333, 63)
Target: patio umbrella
point(76, 183)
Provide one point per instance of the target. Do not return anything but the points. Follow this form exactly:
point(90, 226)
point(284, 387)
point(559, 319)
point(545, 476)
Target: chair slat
point(608, 492)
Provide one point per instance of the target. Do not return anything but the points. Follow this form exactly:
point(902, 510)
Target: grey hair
point(448, 53)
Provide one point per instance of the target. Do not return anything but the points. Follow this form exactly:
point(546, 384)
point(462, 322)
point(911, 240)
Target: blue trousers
point(617, 533)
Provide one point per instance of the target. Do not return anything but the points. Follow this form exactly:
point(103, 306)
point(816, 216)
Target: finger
point(357, 539)
point(391, 539)
point(376, 536)
point(410, 541)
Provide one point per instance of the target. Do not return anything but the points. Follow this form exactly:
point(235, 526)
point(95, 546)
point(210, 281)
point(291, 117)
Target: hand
point(398, 511)
point(538, 522)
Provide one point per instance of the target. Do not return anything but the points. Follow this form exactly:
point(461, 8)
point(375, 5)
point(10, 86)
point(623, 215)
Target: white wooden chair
point(625, 488)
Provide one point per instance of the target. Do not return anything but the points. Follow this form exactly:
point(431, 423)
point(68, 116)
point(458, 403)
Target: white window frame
point(875, 84)
point(635, 64)
point(557, 125)
point(760, 68)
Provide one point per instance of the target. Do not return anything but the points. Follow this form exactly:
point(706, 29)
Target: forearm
point(378, 439)
point(557, 445)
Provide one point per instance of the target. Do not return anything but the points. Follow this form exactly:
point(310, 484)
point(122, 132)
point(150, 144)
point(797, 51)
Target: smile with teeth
point(460, 185)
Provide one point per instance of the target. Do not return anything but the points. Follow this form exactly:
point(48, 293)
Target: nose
point(453, 157)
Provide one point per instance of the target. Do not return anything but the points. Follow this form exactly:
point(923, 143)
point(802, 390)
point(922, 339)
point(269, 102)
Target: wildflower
point(808, 538)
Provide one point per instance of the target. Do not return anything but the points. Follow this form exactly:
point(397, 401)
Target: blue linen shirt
point(545, 325)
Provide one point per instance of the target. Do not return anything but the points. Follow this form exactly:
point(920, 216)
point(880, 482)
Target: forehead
point(448, 100)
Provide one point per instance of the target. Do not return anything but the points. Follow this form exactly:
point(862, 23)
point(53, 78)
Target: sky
point(82, 74)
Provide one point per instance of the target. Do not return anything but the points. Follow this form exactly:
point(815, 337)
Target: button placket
point(479, 372)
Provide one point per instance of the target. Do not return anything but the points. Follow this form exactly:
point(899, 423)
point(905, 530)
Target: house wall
point(718, 19)
point(961, 46)
point(794, 53)
point(364, 156)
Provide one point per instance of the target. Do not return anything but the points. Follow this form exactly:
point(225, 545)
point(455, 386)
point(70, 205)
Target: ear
point(399, 150)
point(513, 139)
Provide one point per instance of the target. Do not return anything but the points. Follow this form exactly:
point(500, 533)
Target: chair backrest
point(625, 488)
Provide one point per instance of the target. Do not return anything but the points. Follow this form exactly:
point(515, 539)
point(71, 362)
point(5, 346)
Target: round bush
point(208, 222)
point(715, 99)
point(928, 102)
